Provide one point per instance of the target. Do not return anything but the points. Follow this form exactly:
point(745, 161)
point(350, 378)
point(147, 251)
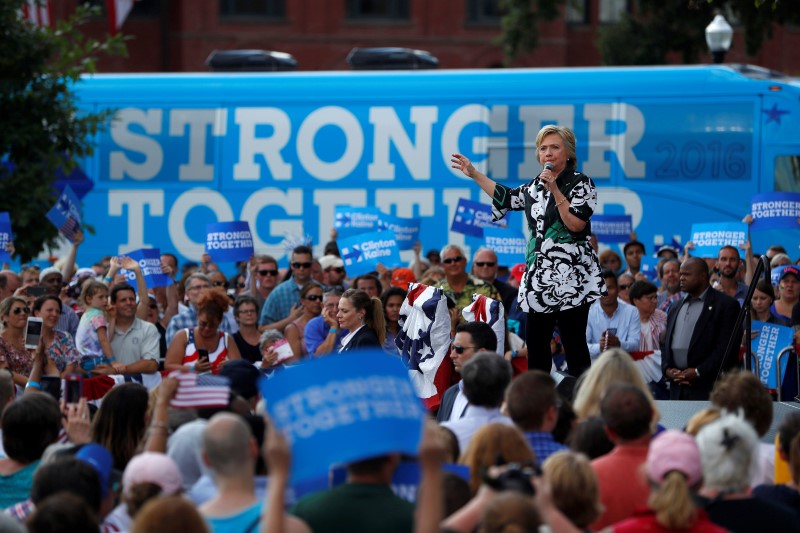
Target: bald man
point(699, 328)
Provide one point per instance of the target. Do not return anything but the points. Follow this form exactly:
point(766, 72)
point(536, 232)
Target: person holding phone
point(204, 348)
point(14, 312)
point(58, 348)
point(612, 323)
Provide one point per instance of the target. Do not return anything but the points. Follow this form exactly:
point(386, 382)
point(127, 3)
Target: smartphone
point(203, 355)
point(51, 385)
point(73, 384)
point(33, 332)
point(36, 291)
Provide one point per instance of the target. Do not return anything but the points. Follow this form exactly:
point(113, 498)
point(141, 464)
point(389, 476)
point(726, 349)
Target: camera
point(512, 477)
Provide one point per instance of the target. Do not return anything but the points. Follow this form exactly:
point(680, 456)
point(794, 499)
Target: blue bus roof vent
point(391, 58)
point(250, 61)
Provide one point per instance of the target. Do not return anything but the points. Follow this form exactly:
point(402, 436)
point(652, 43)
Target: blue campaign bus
point(670, 146)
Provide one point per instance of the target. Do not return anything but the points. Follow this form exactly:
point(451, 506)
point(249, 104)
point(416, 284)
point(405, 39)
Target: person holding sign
point(563, 273)
point(204, 348)
point(363, 317)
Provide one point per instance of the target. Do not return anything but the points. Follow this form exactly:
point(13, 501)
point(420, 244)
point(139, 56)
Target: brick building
point(178, 35)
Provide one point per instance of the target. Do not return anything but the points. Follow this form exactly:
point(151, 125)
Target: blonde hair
point(613, 366)
point(90, 289)
point(701, 419)
point(672, 502)
point(510, 512)
point(490, 442)
point(566, 135)
point(574, 487)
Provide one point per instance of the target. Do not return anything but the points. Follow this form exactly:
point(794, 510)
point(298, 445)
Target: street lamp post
point(719, 35)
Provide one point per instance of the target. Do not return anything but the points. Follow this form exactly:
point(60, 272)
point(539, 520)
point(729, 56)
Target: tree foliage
point(520, 31)
point(41, 129)
point(659, 29)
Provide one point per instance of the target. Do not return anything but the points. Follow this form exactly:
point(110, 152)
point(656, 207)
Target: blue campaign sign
point(710, 237)
point(406, 230)
point(149, 260)
point(612, 228)
point(648, 266)
point(229, 241)
point(340, 409)
point(775, 210)
point(349, 220)
point(766, 346)
point(362, 253)
point(5, 236)
point(471, 217)
point(509, 245)
point(66, 214)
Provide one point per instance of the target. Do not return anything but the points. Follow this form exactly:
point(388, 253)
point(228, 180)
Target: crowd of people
point(582, 452)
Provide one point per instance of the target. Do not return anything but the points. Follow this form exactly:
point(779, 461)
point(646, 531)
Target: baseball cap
point(674, 450)
point(667, 248)
point(790, 270)
point(401, 277)
point(243, 376)
point(47, 271)
point(102, 461)
point(517, 271)
point(152, 467)
point(330, 261)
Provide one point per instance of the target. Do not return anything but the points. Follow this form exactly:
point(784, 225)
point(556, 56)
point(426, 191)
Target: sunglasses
point(240, 285)
point(450, 260)
point(301, 265)
point(18, 310)
point(460, 349)
point(485, 263)
point(338, 270)
point(314, 298)
point(220, 284)
point(624, 287)
point(267, 272)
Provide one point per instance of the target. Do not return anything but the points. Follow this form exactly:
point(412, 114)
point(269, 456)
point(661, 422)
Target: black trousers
point(572, 327)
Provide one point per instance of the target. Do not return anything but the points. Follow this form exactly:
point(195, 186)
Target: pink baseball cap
point(674, 450)
point(151, 467)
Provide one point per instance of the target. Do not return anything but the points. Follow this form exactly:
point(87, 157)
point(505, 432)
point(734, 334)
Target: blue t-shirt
point(16, 487)
point(247, 521)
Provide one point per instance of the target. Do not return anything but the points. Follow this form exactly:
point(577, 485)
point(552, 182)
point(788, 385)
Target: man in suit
point(471, 338)
point(699, 328)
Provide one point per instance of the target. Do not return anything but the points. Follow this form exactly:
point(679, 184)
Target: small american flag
point(200, 390)
point(38, 12)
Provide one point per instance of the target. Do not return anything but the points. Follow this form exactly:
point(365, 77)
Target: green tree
point(520, 32)
point(41, 128)
point(658, 29)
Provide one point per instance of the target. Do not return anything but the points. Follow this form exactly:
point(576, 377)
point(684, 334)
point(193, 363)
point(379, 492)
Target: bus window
point(787, 173)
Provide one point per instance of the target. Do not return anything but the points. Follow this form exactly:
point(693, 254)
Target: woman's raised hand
point(460, 162)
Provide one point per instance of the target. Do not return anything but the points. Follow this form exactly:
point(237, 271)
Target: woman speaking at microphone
point(562, 276)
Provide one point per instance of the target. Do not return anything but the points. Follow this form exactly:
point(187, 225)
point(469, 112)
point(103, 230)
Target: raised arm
point(68, 270)
point(460, 162)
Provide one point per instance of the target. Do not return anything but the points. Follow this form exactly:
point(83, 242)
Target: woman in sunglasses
point(13, 355)
point(311, 300)
point(563, 273)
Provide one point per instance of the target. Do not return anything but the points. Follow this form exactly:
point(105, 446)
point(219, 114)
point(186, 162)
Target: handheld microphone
point(539, 186)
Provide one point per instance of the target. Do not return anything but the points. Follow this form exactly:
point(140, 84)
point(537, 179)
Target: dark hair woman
point(203, 348)
point(363, 317)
